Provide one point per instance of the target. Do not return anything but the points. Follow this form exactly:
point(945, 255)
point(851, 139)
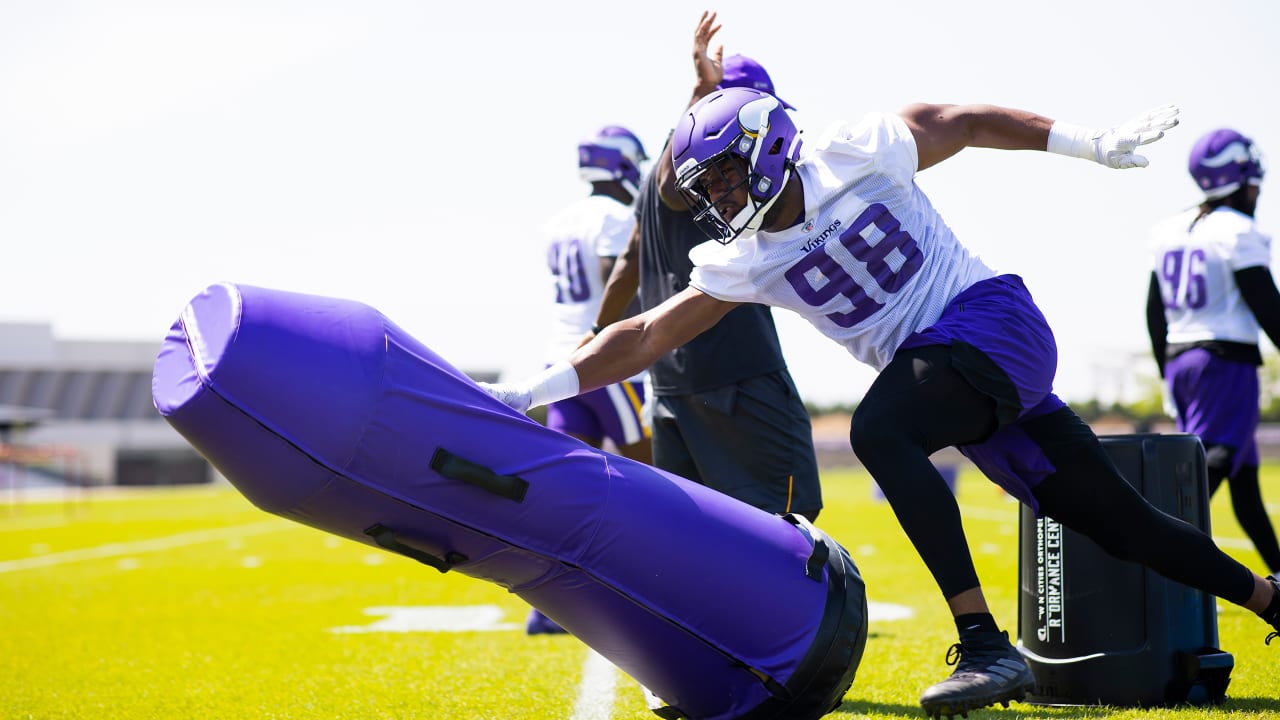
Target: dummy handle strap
point(821, 551)
point(386, 538)
point(452, 466)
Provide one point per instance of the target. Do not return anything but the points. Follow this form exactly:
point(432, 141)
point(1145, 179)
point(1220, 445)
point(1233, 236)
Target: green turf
point(191, 603)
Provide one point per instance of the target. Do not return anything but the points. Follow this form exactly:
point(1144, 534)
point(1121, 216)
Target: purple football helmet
point(613, 153)
point(750, 128)
point(1222, 161)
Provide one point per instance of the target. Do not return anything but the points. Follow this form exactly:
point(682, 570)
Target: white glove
point(555, 383)
point(517, 397)
point(1113, 147)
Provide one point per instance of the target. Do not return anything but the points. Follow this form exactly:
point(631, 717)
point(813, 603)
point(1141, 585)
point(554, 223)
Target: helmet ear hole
point(776, 147)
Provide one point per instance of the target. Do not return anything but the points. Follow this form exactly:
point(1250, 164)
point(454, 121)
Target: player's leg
point(772, 415)
point(1218, 460)
point(919, 404)
point(617, 413)
point(1000, 367)
point(1246, 499)
point(640, 451)
point(1088, 494)
point(1217, 400)
point(751, 440)
point(670, 450)
point(1237, 463)
point(575, 417)
point(593, 442)
point(1251, 512)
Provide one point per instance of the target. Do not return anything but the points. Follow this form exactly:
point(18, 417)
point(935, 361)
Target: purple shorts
point(997, 322)
point(613, 411)
point(1218, 400)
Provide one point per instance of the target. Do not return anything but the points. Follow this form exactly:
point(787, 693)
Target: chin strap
point(753, 222)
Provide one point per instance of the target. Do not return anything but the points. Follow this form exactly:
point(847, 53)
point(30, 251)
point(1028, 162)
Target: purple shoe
point(539, 624)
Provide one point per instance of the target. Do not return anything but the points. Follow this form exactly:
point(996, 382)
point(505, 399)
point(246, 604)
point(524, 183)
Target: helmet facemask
point(709, 185)
point(756, 151)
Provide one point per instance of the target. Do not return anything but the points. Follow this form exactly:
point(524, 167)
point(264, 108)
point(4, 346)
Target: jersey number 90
point(569, 269)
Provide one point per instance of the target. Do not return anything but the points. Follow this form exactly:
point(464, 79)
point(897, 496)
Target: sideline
point(169, 542)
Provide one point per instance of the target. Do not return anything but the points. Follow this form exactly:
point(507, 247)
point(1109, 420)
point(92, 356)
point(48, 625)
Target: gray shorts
point(751, 440)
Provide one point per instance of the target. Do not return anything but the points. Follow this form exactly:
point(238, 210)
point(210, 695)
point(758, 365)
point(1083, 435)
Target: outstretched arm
point(631, 345)
point(618, 352)
point(708, 69)
point(941, 131)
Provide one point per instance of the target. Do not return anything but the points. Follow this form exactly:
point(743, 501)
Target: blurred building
point(80, 412)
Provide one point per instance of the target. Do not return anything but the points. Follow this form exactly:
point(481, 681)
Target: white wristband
point(557, 382)
point(1072, 140)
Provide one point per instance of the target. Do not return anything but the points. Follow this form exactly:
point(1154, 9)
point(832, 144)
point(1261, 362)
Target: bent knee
point(873, 434)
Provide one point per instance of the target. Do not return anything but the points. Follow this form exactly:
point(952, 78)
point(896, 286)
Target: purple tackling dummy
point(323, 411)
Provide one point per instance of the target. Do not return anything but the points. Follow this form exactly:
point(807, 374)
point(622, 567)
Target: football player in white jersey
point(1211, 290)
point(844, 236)
point(583, 241)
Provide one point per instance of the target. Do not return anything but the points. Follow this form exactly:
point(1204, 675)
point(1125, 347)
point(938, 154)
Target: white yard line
point(135, 547)
point(597, 689)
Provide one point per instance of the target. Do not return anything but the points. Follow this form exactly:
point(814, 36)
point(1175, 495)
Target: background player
point(726, 412)
point(1210, 290)
point(583, 240)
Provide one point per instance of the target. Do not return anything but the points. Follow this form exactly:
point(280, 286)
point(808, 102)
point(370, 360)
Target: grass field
point(192, 603)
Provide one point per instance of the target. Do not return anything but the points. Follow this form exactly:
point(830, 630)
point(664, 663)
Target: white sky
point(404, 155)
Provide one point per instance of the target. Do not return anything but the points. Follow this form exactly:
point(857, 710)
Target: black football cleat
point(989, 670)
point(1272, 613)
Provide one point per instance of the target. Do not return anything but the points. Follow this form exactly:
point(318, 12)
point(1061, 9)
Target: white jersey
point(577, 237)
point(1196, 263)
point(872, 263)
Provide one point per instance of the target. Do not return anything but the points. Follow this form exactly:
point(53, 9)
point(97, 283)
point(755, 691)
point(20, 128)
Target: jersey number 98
point(890, 256)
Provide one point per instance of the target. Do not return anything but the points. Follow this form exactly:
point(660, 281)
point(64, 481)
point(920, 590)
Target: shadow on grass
point(1262, 707)
point(1248, 707)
